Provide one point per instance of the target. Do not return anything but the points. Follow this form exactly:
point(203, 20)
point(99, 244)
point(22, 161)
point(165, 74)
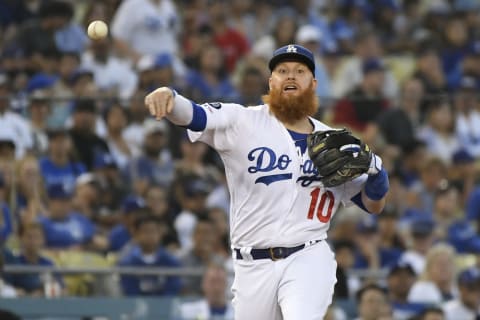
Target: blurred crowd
point(87, 178)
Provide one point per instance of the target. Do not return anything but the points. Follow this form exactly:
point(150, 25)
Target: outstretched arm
point(202, 121)
point(166, 103)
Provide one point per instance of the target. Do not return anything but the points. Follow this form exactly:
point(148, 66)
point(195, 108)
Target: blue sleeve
point(357, 199)
point(199, 120)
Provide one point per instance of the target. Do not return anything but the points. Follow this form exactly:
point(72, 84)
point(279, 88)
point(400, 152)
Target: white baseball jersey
point(276, 198)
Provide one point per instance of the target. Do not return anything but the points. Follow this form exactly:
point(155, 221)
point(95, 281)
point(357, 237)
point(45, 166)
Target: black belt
point(276, 253)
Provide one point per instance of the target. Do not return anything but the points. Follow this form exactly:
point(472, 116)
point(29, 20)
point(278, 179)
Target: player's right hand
point(160, 102)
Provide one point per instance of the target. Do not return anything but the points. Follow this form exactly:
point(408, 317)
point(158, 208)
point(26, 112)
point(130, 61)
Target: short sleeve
point(220, 130)
point(351, 188)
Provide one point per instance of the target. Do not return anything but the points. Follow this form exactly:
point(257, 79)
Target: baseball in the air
point(97, 30)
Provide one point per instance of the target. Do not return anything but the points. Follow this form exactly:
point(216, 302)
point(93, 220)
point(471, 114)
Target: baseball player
point(280, 206)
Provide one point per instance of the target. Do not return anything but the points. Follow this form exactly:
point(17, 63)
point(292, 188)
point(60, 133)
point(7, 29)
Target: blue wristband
point(377, 185)
point(199, 119)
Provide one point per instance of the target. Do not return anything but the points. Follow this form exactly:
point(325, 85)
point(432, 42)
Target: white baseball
point(97, 30)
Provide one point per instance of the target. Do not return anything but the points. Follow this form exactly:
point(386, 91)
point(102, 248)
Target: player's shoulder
point(258, 108)
point(261, 111)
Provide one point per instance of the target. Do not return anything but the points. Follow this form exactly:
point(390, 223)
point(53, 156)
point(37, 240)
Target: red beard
point(290, 109)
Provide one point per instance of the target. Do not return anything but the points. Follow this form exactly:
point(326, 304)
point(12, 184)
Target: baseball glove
point(338, 156)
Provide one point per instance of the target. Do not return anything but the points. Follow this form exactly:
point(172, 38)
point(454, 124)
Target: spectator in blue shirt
point(400, 279)
point(85, 140)
point(155, 165)
point(113, 189)
point(32, 243)
point(39, 35)
point(148, 252)
point(370, 253)
point(63, 227)
point(122, 233)
point(58, 166)
point(210, 81)
point(467, 66)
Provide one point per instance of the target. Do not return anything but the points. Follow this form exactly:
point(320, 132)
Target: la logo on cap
point(291, 48)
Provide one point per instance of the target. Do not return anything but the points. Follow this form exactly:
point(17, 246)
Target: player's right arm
point(166, 103)
point(211, 123)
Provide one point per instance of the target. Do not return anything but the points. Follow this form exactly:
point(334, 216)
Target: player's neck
point(301, 126)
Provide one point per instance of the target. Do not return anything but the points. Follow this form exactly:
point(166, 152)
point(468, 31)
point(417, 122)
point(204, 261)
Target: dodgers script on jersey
point(276, 198)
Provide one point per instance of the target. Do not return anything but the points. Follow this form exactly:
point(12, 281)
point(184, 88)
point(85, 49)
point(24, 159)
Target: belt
point(276, 253)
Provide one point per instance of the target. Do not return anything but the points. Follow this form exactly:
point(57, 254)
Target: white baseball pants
point(299, 287)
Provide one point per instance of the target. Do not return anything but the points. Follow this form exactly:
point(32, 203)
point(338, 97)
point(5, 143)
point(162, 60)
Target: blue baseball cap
point(367, 225)
point(371, 65)
point(469, 277)
point(197, 186)
point(41, 81)
point(401, 266)
point(462, 156)
point(421, 226)
point(104, 160)
point(58, 191)
point(133, 203)
point(293, 52)
point(163, 60)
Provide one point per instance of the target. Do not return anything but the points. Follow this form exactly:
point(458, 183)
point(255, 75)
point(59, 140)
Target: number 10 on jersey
point(322, 205)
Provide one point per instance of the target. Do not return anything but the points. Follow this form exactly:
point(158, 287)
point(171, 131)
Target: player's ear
point(270, 84)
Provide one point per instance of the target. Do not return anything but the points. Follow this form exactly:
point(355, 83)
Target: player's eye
point(282, 71)
point(300, 71)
